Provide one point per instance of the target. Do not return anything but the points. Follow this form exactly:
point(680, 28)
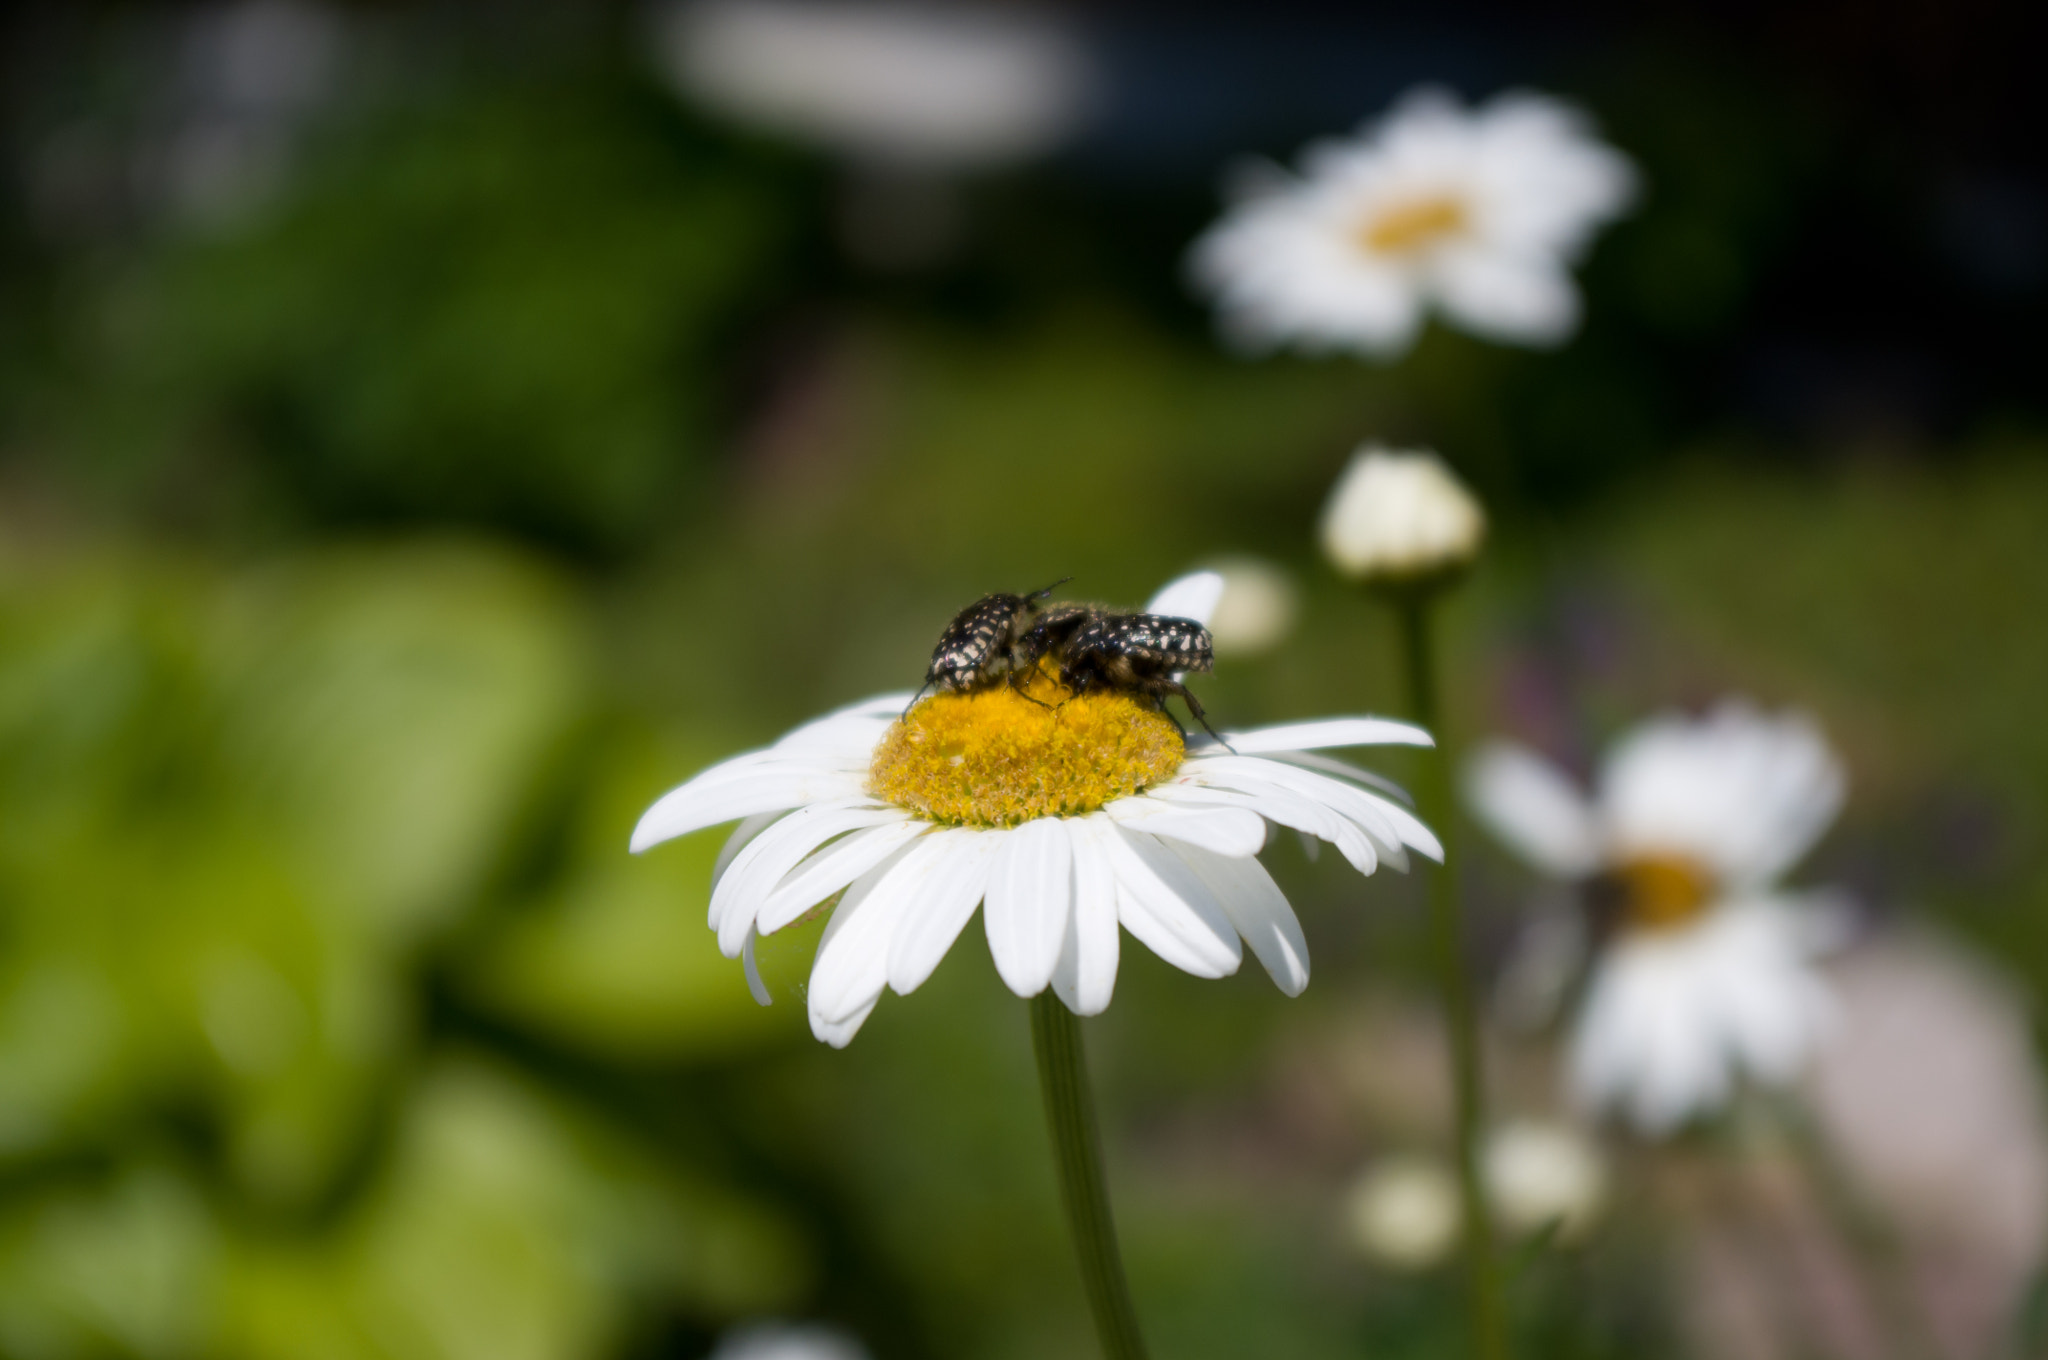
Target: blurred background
point(429, 432)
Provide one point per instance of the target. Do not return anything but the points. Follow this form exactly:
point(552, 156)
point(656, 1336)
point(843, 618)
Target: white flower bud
point(1398, 516)
point(1404, 1212)
point(1256, 610)
point(1541, 1174)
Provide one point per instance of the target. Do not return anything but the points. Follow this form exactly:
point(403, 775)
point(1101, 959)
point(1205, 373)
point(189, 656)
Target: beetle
point(980, 645)
point(1102, 649)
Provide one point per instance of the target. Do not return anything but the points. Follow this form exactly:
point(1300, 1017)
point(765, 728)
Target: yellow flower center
point(1662, 891)
point(1407, 228)
point(999, 757)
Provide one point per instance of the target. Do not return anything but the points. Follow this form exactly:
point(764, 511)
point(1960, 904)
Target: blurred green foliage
point(495, 305)
point(195, 767)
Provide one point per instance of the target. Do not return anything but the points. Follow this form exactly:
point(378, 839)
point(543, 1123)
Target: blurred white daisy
point(1478, 212)
point(1706, 973)
point(1063, 823)
point(902, 82)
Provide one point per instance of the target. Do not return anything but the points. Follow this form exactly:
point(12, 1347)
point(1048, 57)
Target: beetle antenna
point(1041, 594)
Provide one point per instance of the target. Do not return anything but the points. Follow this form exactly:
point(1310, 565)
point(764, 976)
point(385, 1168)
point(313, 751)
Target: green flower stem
point(1077, 1151)
point(1447, 940)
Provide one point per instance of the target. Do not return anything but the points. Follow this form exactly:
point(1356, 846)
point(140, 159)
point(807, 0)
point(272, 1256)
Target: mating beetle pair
point(1000, 638)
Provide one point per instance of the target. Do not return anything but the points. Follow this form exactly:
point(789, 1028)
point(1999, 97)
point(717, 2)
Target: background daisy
point(1478, 213)
point(1703, 975)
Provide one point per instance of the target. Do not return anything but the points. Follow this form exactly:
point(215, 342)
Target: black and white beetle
point(1101, 649)
point(980, 645)
point(1000, 638)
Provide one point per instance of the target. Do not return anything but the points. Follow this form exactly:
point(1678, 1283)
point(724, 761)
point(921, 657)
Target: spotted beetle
point(1100, 649)
point(980, 645)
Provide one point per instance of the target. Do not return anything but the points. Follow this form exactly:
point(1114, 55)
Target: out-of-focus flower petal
point(1534, 808)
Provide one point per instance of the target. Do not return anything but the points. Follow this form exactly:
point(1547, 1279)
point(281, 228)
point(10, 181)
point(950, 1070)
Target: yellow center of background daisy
point(1662, 891)
point(1412, 226)
point(999, 757)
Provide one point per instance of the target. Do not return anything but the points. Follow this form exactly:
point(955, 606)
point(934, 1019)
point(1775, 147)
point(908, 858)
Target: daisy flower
point(1706, 975)
point(1478, 212)
point(1063, 817)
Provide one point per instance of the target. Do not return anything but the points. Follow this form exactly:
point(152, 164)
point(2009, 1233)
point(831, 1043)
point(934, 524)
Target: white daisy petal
point(1225, 830)
point(1030, 904)
point(1193, 596)
point(1389, 824)
point(1673, 1017)
point(1163, 903)
point(839, 1033)
point(1309, 736)
point(1508, 297)
point(852, 966)
point(1305, 815)
point(1153, 931)
point(753, 971)
point(1085, 976)
point(701, 802)
point(831, 869)
point(769, 760)
point(1740, 792)
point(748, 828)
point(826, 732)
point(1636, 1045)
point(1344, 769)
point(941, 904)
point(1534, 809)
point(1799, 780)
point(737, 899)
point(1776, 1007)
point(1259, 910)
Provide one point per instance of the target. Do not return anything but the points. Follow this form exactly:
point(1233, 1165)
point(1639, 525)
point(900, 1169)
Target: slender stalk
point(1447, 940)
point(1077, 1152)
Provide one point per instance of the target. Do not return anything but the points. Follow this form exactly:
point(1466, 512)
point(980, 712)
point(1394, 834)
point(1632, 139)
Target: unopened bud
point(1545, 1176)
point(1401, 517)
point(1404, 1213)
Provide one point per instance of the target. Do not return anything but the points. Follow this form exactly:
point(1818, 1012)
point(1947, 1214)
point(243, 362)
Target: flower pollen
point(1663, 891)
point(1413, 226)
point(1002, 756)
